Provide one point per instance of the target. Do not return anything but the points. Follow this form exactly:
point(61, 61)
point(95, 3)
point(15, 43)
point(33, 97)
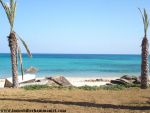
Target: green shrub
point(105, 87)
point(89, 87)
point(35, 87)
point(113, 87)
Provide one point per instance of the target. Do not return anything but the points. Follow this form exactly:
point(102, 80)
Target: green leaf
point(142, 15)
point(26, 47)
point(20, 59)
point(11, 4)
point(145, 20)
point(10, 11)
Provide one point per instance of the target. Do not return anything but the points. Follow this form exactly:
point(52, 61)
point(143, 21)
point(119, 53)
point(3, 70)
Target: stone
point(59, 80)
point(99, 80)
point(121, 81)
point(28, 81)
point(137, 81)
point(8, 84)
point(109, 84)
point(127, 77)
point(5, 83)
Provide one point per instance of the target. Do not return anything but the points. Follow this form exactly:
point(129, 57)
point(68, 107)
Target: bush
point(113, 87)
point(35, 87)
point(106, 87)
point(89, 87)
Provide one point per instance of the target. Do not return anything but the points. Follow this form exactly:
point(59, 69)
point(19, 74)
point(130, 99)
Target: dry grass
point(78, 101)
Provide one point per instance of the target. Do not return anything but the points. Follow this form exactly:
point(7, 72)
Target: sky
point(77, 26)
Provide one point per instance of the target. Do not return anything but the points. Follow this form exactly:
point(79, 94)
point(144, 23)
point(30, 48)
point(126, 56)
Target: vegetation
point(133, 100)
point(13, 38)
point(109, 87)
point(35, 87)
point(145, 52)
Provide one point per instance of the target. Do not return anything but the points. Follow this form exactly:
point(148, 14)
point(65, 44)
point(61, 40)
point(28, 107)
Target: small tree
point(145, 52)
point(13, 38)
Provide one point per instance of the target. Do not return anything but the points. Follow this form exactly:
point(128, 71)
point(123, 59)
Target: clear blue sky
point(77, 26)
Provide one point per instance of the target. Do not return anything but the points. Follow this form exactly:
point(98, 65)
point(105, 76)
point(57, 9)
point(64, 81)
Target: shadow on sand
point(82, 104)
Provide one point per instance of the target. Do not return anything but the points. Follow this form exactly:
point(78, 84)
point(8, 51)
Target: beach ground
point(131, 100)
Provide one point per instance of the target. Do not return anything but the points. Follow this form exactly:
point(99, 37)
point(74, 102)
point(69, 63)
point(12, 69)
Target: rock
point(90, 80)
point(31, 70)
point(109, 84)
point(28, 81)
point(127, 77)
point(99, 79)
point(133, 79)
point(38, 80)
point(5, 83)
point(8, 84)
point(34, 83)
point(59, 80)
point(137, 81)
point(52, 83)
point(121, 82)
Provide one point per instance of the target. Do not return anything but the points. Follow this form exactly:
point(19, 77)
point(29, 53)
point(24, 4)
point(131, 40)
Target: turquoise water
point(80, 65)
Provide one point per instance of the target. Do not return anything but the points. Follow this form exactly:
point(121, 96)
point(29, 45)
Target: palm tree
point(145, 52)
point(13, 38)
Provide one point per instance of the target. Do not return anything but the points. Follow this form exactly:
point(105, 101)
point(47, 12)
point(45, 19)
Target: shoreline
point(90, 81)
point(75, 81)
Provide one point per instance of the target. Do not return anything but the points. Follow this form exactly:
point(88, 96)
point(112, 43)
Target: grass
point(109, 87)
point(36, 87)
point(77, 100)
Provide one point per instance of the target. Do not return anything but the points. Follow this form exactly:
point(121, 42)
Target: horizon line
point(84, 53)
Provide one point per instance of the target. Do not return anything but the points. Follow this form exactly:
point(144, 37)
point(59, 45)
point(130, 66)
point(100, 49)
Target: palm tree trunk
point(145, 64)
point(13, 49)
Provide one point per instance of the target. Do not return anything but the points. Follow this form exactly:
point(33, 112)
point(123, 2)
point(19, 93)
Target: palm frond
point(20, 59)
point(11, 4)
point(7, 10)
point(26, 47)
point(145, 20)
point(13, 11)
point(10, 11)
point(142, 15)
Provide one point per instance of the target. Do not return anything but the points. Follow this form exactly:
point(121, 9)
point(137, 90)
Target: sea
point(76, 65)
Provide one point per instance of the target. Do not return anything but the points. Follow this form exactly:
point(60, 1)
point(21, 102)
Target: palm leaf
point(142, 15)
point(21, 64)
point(145, 20)
point(11, 4)
point(10, 11)
point(26, 47)
point(7, 10)
point(13, 12)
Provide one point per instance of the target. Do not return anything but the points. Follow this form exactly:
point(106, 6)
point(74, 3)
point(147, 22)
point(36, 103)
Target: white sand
point(77, 81)
point(80, 81)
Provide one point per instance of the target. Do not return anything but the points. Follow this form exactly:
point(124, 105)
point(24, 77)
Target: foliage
point(105, 87)
point(10, 10)
point(35, 87)
point(145, 20)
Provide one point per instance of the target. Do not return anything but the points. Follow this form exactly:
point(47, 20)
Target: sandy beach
point(90, 81)
point(81, 81)
point(32, 79)
point(75, 81)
